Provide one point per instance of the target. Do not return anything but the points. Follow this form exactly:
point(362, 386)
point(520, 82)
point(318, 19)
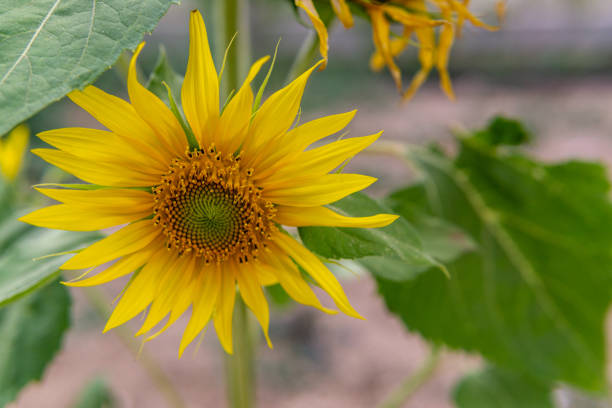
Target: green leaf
point(96, 394)
point(20, 273)
point(443, 240)
point(503, 131)
point(493, 387)
point(163, 72)
point(31, 332)
point(533, 298)
point(50, 47)
point(395, 245)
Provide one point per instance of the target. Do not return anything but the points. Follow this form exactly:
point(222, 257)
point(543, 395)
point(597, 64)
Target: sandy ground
point(333, 361)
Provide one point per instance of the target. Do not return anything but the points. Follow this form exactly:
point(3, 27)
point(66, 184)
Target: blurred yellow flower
point(443, 17)
point(12, 149)
point(203, 220)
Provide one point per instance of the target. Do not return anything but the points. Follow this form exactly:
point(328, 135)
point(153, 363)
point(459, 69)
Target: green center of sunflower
point(207, 205)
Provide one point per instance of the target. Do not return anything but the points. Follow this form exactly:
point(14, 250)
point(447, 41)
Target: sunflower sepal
point(264, 83)
point(191, 139)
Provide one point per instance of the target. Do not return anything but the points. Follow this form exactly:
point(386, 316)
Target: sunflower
point(12, 148)
point(416, 18)
point(202, 223)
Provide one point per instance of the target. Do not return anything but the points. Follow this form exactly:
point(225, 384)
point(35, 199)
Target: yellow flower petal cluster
point(202, 225)
point(433, 23)
point(12, 148)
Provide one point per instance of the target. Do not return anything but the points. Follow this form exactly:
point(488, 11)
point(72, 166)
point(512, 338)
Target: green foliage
point(6, 200)
point(96, 394)
point(503, 131)
point(395, 251)
point(31, 332)
point(534, 296)
point(278, 296)
point(89, 34)
point(493, 387)
point(21, 244)
point(163, 72)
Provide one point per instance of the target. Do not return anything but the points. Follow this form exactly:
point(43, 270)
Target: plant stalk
point(232, 16)
point(305, 56)
point(239, 367)
point(411, 384)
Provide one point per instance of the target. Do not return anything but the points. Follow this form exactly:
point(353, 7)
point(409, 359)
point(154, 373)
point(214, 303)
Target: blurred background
point(549, 66)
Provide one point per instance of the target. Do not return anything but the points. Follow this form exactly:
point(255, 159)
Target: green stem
point(232, 16)
point(101, 305)
point(305, 56)
point(398, 397)
point(239, 367)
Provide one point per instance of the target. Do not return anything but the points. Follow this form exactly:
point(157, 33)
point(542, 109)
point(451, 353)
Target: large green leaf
point(20, 245)
point(50, 47)
point(396, 249)
point(493, 387)
point(534, 297)
point(31, 332)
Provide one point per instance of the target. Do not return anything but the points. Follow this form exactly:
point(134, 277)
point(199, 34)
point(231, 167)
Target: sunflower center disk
point(207, 205)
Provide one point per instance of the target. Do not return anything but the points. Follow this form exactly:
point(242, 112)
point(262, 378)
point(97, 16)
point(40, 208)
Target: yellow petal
point(127, 240)
point(380, 35)
point(397, 45)
point(253, 296)
point(12, 149)
point(410, 19)
point(121, 118)
point(171, 295)
point(236, 116)
point(225, 307)
point(426, 38)
point(462, 10)
point(265, 277)
point(140, 292)
point(153, 111)
point(323, 159)
point(273, 119)
point(110, 198)
point(122, 267)
point(343, 12)
point(296, 140)
point(461, 18)
point(290, 278)
point(324, 217)
point(101, 146)
point(98, 173)
point(204, 301)
point(315, 268)
point(75, 218)
point(311, 192)
point(200, 91)
point(445, 42)
point(318, 25)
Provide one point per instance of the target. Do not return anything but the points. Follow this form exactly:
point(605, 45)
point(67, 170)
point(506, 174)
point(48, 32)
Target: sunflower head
point(207, 205)
point(12, 149)
point(430, 25)
point(202, 224)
